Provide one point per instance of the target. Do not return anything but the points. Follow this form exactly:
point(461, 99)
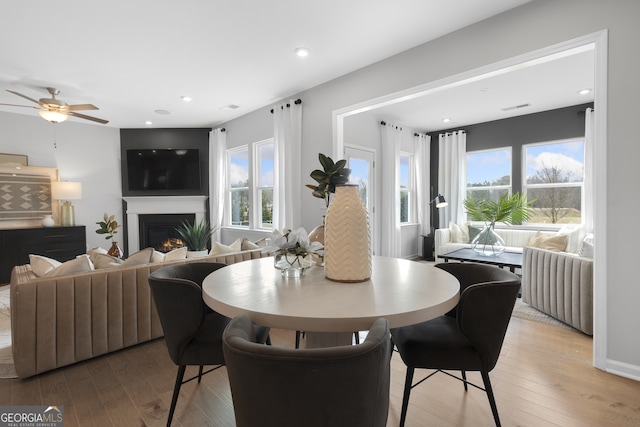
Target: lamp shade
point(440, 201)
point(65, 190)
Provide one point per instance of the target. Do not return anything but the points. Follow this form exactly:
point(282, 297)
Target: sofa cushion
point(101, 261)
point(220, 249)
point(248, 245)
point(554, 243)
point(94, 251)
point(174, 255)
point(143, 256)
point(575, 235)
point(459, 233)
point(80, 264)
point(41, 265)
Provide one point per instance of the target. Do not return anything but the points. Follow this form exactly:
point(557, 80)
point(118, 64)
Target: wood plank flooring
point(544, 377)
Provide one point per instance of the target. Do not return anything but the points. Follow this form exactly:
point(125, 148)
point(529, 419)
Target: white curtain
point(452, 176)
point(589, 169)
point(422, 150)
point(391, 239)
point(287, 133)
point(217, 179)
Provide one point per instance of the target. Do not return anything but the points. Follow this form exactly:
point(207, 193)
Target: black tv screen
point(163, 169)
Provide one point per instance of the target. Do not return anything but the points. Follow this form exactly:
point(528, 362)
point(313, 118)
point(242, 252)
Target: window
point(264, 173)
point(407, 192)
point(554, 178)
point(251, 185)
point(238, 179)
point(489, 174)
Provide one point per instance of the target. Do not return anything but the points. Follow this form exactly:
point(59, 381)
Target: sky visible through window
point(488, 166)
point(568, 157)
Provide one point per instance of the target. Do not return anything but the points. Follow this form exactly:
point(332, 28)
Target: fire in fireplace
point(159, 230)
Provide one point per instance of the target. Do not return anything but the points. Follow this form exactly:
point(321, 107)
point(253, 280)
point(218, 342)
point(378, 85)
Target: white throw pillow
point(101, 261)
point(174, 255)
point(248, 245)
point(141, 257)
point(220, 249)
point(81, 264)
point(41, 265)
point(459, 233)
point(575, 235)
point(94, 251)
point(586, 248)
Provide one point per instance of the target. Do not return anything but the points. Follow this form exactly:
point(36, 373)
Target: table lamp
point(66, 191)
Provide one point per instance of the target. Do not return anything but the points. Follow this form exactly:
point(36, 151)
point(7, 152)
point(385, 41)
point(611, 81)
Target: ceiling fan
point(56, 111)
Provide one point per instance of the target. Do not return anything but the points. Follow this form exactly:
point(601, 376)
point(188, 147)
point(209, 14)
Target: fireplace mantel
point(159, 205)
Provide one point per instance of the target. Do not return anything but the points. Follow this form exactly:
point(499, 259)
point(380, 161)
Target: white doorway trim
point(597, 41)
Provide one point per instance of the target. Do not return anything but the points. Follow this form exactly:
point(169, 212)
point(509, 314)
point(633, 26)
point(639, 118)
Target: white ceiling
point(130, 58)
point(538, 85)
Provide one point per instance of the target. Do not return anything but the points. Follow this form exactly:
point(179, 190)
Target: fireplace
point(169, 210)
point(159, 230)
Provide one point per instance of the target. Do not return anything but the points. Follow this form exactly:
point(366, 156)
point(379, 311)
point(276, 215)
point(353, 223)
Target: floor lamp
point(66, 191)
point(427, 243)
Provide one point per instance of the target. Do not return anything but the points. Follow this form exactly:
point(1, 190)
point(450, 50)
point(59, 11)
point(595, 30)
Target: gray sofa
point(58, 321)
point(559, 284)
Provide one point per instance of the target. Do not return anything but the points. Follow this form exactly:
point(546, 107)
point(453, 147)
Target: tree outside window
point(555, 179)
point(238, 179)
point(406, 189)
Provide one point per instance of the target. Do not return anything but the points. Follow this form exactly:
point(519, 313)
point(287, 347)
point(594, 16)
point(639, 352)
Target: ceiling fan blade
point(24, 96)
point(83, 116)
point(82, 107)
point(16, 105)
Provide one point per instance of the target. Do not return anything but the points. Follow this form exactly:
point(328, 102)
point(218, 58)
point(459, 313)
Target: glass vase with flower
point(292, 251)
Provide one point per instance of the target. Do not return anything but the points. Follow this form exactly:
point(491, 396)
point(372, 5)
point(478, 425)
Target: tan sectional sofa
point(58, 321)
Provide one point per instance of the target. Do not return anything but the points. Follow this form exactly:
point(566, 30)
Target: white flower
point(294, 242)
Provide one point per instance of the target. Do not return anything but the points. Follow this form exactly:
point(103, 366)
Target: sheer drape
point(217, 178)
point(589, 170)
point(287, 133)
point(422, 150)
point(452, 176)
point(390, 242)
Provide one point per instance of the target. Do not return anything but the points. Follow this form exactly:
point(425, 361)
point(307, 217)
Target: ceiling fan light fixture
point(53, 116)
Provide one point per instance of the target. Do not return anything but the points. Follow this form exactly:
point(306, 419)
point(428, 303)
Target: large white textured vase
point(347, 244)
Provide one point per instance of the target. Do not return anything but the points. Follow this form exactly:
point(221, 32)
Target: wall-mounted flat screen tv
point(163, 169)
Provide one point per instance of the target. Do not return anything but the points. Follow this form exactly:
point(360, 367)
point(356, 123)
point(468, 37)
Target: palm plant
point(195, 236)
point(514, 209)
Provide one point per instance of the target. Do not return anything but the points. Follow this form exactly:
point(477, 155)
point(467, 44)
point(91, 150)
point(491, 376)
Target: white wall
point(533, 26)
point(86, 153)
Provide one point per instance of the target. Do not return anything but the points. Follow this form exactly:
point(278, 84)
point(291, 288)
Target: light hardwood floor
point(544, 377)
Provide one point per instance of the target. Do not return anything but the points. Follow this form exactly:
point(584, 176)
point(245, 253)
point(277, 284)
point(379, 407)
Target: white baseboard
point(622, 369)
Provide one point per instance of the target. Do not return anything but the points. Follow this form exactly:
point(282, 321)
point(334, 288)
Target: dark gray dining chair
point(192, 330)
point(468, 340)
point(333, 386)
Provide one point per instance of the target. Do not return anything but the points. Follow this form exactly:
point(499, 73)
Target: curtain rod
point(451, 133)
point(383, 123)
point(297, 102)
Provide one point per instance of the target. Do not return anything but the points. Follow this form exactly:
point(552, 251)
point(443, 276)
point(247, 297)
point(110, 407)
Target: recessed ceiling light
point(163, 112)
point(186, 98)
point(148, 122)
point(584, 91)
point(446, 120)
point(302, 52)
point(230, 107)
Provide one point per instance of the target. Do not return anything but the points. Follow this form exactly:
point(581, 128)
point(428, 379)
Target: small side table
point(427, 247)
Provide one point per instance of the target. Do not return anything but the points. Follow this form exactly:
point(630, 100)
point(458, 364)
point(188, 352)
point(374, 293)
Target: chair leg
point(176, 392)
point(492, 400)
point(405, 398)
point(297, 339)
point(464, 377)
point(200, 373)
point(356, 335)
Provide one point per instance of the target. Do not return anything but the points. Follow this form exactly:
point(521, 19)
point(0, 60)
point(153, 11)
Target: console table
point(59, 243)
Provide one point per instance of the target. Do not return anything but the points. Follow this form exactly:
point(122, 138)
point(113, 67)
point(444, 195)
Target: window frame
point(526, 186)
point(509, 187)
point(230, 190)
point(257, 222)
point(410, 190)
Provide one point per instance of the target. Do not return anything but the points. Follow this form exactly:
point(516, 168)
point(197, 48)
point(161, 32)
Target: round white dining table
point(402, 291)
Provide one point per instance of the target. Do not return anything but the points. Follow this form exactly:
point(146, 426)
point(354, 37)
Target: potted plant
point(333, 173)
point(195, 237)
point(109, 226)
point(514, 209)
